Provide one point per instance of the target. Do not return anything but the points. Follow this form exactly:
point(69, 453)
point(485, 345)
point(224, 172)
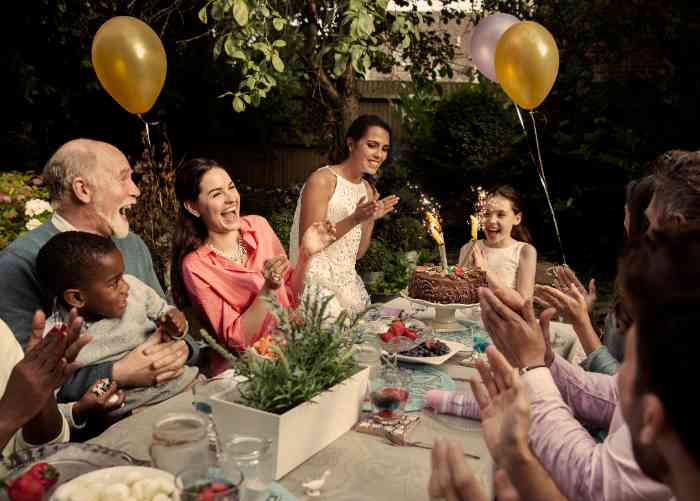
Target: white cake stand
point(444, 320)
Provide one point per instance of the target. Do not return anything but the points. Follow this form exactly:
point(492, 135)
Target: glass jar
point(179, 440)
point(252, 456)
point(212, 484)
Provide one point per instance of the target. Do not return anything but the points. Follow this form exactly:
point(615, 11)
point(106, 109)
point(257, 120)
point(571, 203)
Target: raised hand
point(173, 324)
point(385, 206)
point(515, 331)
point(273, 271)
point(48, 362)
point(317, 237)
point(571, 305)
point(566, 281)
point(364, 211)
point(451, 478)
point(505, 409)
point(478, 258)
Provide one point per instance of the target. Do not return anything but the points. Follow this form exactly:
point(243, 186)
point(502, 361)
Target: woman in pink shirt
point(226, 265)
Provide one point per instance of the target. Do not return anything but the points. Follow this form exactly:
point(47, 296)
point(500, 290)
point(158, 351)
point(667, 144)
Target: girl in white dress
point(506, 254)
point(340, 194)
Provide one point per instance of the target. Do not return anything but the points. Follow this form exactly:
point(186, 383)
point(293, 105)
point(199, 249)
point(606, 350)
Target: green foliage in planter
point(22, 196)
point(317, 355)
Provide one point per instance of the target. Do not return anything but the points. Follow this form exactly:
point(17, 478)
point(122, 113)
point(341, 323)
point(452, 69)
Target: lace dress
point(332, 270)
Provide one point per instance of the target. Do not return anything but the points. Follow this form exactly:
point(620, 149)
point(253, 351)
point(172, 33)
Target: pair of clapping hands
point(505, 421)
point(521, 341)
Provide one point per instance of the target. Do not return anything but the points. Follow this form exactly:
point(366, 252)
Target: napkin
point(453, 402)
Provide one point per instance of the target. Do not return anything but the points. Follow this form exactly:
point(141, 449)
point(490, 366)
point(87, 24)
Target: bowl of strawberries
point(402, 335)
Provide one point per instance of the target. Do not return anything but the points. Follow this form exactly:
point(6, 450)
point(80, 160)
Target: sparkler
point(431, 214)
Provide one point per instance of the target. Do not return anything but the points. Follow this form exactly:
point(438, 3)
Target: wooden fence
point(280, 165)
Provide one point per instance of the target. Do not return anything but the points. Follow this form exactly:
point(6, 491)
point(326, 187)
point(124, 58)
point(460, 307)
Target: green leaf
point(278, 23)
point(203, 14)
point(238, 104)
point(406, 42)
point(382, 4)
point(265, 11)
point(277, 62)
point(229, 48)
point(365, 24)
point(240, 13)
point(279, 43)
point(341, 62)
point(218, 46)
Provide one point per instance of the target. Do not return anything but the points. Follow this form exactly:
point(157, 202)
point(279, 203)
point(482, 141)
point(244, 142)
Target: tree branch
point(314, 65)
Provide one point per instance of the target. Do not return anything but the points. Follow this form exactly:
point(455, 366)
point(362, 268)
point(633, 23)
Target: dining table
point(362, 466)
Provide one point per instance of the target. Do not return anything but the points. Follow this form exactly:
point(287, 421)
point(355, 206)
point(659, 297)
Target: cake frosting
point(458, 286)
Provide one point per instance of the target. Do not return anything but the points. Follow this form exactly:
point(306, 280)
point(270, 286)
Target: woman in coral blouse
point(226, 265)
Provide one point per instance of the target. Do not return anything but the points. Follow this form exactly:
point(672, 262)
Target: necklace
point(239, 255)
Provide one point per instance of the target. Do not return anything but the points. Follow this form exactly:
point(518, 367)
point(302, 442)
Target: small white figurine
point(313, 487)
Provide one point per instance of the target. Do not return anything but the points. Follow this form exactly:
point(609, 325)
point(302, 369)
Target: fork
point(422, 445)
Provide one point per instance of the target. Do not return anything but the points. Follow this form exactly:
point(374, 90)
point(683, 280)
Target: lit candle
point(474, 221)
point(435, 230)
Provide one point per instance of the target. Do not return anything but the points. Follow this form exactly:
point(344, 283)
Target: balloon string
point(148, 132)
point(539, 167)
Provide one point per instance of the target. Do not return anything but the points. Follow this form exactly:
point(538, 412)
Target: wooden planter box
point(301, 432)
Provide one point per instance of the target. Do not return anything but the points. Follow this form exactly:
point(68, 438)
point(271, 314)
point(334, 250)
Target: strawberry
point(44, 473)
point(409, 334)
point(218, 487)
point(388, 335)
point(398, 325)
point(26, 488)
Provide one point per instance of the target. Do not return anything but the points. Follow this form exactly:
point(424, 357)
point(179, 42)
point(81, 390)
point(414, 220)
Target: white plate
point(382, 325)
point(114, 475)
point(454, 347)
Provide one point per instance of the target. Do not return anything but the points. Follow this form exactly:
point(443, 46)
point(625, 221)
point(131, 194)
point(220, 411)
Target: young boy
point(86, 271)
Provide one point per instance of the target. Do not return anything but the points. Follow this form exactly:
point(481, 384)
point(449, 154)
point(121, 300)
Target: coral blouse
point(223, 290)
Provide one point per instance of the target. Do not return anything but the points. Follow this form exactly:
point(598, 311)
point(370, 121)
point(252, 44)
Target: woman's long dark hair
point(190, 233)
point(357, 130)
point(519, 232)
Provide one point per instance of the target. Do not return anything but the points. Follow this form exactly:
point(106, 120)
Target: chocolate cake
point(459, 286)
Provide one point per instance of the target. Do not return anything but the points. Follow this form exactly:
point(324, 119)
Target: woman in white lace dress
point(340, 194)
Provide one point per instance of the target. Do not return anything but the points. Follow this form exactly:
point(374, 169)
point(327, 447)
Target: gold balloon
point(527, 63)
point(130, 62)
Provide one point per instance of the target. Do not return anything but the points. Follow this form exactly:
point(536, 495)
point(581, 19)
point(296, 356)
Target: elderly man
point(91, 189)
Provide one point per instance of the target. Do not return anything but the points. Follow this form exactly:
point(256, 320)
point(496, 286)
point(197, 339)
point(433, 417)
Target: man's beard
point(116, 225)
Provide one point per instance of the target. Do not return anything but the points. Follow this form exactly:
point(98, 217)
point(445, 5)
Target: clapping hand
point(173, 324)
point(478, 258)
point(504, 406)
point(317, 237)
point(566, 281)
point(385, 206)
point(273, 272)
point(47, 364)
point(514, 328)
point(452, 480)
point(572, 305)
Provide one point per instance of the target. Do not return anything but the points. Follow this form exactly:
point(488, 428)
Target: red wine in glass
point(389, 402)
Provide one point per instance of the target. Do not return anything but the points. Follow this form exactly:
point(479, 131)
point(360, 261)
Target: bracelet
point(523, 370)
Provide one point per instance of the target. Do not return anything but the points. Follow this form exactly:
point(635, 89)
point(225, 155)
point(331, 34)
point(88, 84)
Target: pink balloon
point(485, 37)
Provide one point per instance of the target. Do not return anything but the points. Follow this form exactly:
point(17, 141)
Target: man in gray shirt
point(91, 189)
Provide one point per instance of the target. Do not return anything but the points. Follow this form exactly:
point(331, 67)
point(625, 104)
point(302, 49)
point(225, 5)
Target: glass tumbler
point(179, 440)
point(252, 456)
point(389, 394)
